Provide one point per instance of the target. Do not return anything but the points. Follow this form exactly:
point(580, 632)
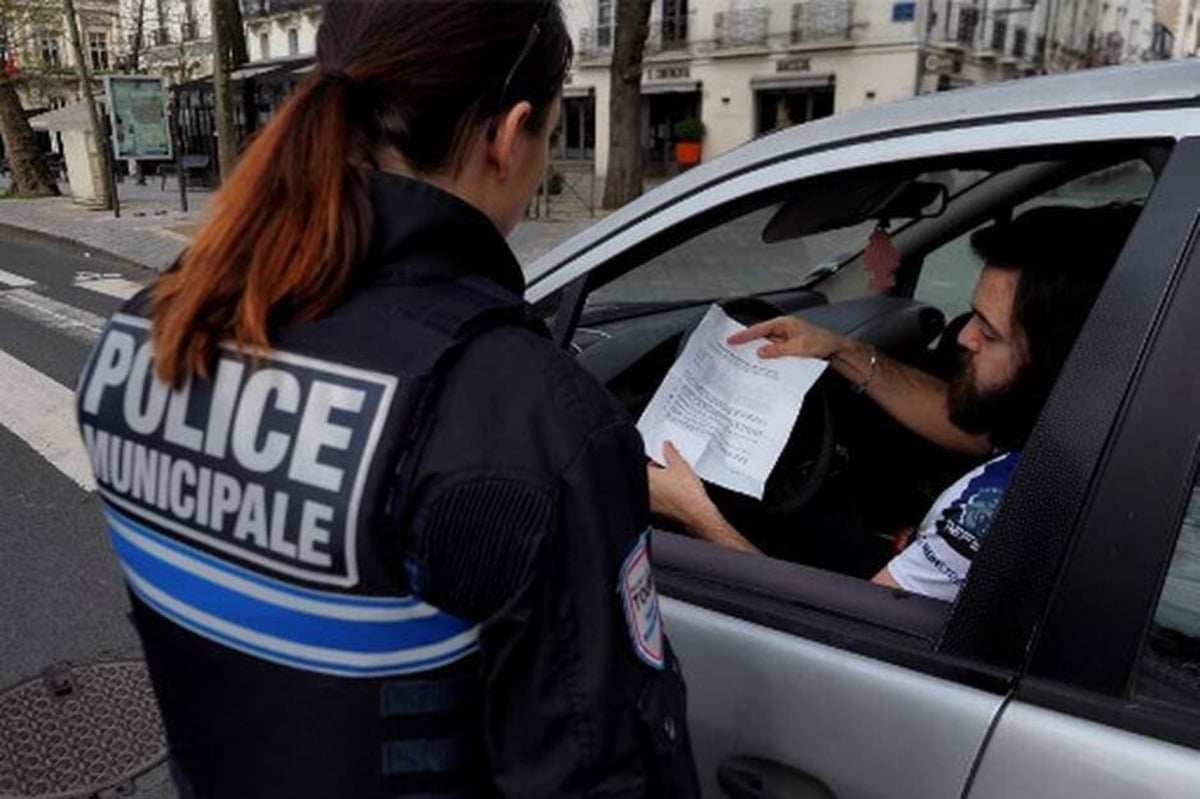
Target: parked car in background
point(1070, 663)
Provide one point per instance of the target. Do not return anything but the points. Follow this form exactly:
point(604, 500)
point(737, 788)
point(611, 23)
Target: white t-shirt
point(936, 562)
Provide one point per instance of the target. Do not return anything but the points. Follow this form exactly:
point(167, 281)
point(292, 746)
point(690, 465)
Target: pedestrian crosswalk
point(41, 412)
point(34, 406)
point(110, 284)
point(14, 281)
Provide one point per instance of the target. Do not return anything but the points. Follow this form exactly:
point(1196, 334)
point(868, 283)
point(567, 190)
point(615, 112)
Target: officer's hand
point(787, 335)
point(675, 490)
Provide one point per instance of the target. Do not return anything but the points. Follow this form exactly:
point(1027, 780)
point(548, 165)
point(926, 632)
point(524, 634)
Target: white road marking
point(41, 412)
point(76, 323)
point(117, 287)
point(15, 281)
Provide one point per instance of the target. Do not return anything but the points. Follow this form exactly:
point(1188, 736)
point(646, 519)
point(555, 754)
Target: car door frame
point(1076, 692)
point(1088, 646)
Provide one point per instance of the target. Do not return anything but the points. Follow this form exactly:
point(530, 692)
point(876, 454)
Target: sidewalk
point(152, 230)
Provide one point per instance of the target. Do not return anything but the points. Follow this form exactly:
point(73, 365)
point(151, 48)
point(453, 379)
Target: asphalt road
point(61, 594)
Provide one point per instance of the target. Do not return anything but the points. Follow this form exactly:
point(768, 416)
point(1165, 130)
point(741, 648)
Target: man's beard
point(1005, 413)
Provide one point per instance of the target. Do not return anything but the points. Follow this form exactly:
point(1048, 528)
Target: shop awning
point(789, 81)
point(682, 86)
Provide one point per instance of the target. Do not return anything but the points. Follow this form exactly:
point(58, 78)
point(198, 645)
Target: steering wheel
point(805, 460)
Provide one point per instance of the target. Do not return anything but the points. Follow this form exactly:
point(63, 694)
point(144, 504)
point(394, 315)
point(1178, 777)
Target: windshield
point(732, 258)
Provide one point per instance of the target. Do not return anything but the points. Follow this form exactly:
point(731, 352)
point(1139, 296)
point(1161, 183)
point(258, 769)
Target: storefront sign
point(904, 12)
point(668, 72)
point(798, 64)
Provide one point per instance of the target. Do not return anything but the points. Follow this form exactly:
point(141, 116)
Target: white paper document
point(727, 411)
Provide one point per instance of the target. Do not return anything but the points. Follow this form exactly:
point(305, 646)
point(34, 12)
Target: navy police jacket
point(402, 554)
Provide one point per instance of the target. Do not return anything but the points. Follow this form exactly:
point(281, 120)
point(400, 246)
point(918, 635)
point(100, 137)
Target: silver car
point(1070, 663)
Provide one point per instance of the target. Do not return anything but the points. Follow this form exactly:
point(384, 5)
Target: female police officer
point(381, 537)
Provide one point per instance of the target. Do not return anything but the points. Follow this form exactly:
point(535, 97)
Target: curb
point(51, 238)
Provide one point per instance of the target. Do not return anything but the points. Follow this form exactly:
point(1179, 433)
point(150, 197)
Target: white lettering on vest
point(249, 419)
point(319, 433)
point(112, 365)
point(145, 397)
point(177, 430)
point(311, 535)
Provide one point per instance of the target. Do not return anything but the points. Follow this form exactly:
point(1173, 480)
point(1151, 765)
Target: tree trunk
point(100, 141)
point(223, 88)
point(139, 36)
point(30, 175)
point(625, 160)
point(235, 28)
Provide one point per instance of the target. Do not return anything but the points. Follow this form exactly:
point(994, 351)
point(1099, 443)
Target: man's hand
point(675, 490)
point(787, 335)
point(677, 493)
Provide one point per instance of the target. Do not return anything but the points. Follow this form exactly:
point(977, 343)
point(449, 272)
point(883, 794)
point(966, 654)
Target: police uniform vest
point(257, 516)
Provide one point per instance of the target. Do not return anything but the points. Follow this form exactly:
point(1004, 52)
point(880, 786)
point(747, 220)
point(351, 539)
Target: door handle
point(756, 778)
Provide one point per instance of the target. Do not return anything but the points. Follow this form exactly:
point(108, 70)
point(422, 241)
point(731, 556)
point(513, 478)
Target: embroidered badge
point(640, 600)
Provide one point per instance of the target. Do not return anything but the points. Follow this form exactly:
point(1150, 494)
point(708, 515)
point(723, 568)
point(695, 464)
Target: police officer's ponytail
point(293, 222)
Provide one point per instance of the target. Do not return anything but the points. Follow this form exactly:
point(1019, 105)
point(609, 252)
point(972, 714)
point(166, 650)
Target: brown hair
point(293, 223)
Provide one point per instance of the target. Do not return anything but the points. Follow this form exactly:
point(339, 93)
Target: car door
point(1112, 688)
point(802, 679)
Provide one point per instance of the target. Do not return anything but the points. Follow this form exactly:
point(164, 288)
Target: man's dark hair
point(1064, 255)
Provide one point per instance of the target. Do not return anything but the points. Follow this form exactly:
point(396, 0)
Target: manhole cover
point(77, 730)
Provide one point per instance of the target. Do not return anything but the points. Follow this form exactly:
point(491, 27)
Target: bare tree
point(229, 50)
point(136, 11)
point(626, 167)
point(103, 152)
point(31, 176)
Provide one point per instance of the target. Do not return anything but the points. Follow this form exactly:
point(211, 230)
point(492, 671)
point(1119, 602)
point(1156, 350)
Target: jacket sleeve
point(584, 695)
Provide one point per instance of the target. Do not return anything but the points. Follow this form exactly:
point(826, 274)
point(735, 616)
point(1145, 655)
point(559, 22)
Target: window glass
point(1170, 667)
point(732, 260)
point(770, 249)
point(949, 272)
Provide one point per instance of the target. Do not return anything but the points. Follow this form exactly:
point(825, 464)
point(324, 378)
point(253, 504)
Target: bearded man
point(1041, 273)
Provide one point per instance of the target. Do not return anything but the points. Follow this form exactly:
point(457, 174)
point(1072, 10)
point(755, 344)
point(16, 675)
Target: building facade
point(35, 47)
point(979, 42)
point(1179, 27)
point(176, 37)
point(281, 29)
point(746, 67)
point(741, 68)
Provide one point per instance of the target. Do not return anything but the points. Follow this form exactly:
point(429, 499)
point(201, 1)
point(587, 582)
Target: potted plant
point(688, 135)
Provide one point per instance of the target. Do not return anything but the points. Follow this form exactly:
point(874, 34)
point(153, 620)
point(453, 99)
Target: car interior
point(850, 481)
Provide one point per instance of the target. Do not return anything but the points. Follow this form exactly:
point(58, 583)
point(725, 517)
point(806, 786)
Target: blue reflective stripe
point(312, 630)
point(308, 664)
point(114, 516)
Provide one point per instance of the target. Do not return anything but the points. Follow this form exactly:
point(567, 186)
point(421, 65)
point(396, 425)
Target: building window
point(50, 54)
point(814, 20)
point(674, 23)
point(264, 46)
point(968, 20)
point(98, 47)
point(999, 34)
point(604, 22)
point(293, 41)
point(1020, 39)
point(191, 27)
point(741, 27)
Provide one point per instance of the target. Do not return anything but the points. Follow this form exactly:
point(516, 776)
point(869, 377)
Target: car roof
point(1108, 89)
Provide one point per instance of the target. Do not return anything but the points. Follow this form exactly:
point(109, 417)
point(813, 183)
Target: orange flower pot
point(687, 153)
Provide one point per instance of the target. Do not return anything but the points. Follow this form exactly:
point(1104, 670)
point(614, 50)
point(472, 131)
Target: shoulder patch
point(640, 600)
